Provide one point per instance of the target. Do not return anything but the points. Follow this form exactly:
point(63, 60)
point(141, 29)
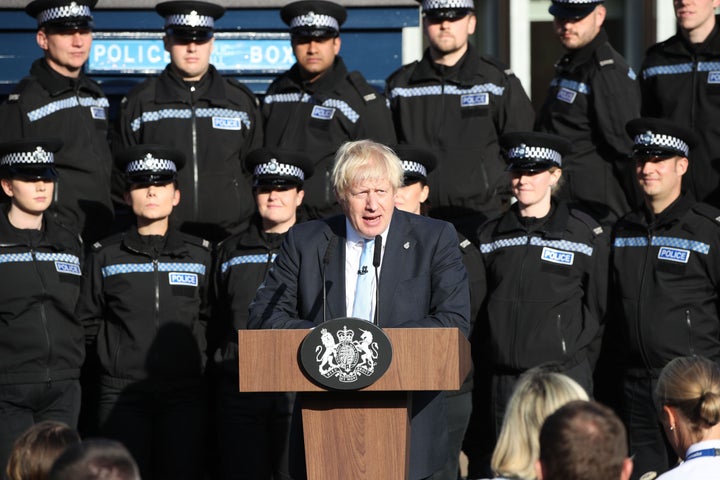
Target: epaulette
point(111, 240)
point(497, 63)
point(707, 211)
point(73, 232)
point(366, 91)
point(238, 84)
point(200, 242)
point(19, 88)
point(588, 220)
point(604, 55)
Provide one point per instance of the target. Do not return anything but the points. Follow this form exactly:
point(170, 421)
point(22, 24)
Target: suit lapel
point(335, 273)
point(398, 250)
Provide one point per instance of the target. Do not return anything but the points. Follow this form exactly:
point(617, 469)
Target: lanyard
point(708, 452)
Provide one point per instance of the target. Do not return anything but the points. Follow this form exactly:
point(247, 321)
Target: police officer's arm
point(91, 303)
point(616, 101)
point(595, 301)
point(130, 113)
point(375, 122)
point(651, 105)
point(219, 310)
point(515, 112)
point(13, 120)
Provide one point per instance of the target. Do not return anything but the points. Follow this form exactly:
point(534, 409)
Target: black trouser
point(647, 440)
point(459, 407)
point(23, 405)
point(163, 429)
point(253, 433)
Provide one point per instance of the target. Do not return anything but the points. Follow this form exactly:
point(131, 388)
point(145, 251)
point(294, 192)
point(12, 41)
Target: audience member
point(36, 450)
point(95, 459)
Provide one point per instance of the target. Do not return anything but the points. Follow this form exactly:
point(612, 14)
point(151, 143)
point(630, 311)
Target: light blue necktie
point(362, 305)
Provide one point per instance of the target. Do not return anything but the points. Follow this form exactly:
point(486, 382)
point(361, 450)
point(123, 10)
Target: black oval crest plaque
point(346, 353)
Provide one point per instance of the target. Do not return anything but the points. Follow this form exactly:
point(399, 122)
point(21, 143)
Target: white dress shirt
point(705, 467)
point(353, 249)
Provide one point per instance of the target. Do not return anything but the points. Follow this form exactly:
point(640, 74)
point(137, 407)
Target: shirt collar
point(354, 238)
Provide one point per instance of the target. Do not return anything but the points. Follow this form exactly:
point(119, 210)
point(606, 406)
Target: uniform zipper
point(562, 336)
point(43, 316)
point(690, 336)
point(518, 296)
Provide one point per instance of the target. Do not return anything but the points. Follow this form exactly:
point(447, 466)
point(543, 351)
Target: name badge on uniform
point(713, 78)
point(226, 123)
point(557, 256)
point(187, 279)
point(474, 99)
point(98, 113)
point(65, 267)
point(677, 255)
point(566, 95)
point(322, 113)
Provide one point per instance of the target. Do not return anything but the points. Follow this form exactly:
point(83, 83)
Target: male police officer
point(666, 269)
point(317, 105)
point(214, 121)
point(457, 103)
point(591, 98)
point(58, 100)
point(680, 81)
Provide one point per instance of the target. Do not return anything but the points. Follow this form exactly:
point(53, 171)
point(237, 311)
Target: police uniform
point(215, 122)
point(315, 118)
point(681, 82)
point(666, 271)
point(41, 341)
point(459, 112)
point(253, 428)
point(417, 164)
point(546, 281)
point(589, 101)
point(47, 104)
point(145, 300)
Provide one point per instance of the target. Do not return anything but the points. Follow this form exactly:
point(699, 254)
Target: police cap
point(278, 167)
point(190, 20)
point(149, 164)
point(573, 9)
point(450, 9)
point(417, 162)
point(29, 159)
point(533, 151)
point(656, 137)
point(62, 14)
point(314, 18)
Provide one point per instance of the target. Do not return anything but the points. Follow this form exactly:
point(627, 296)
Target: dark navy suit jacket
point(423, 283)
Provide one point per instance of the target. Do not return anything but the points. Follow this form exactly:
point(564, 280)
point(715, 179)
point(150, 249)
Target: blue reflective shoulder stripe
point(246, 259)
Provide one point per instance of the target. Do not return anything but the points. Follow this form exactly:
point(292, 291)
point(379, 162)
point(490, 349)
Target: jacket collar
point(172, 88)
point(12, 236)
point(325, 84)
point(574, 58)
point(464, 72)
point(174, 244)
point(255, 238)
point(671, 215)
point(710, 46)
point(554, 226)
point(57, 84)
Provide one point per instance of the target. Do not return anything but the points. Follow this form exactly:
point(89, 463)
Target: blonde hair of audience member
point(688, 392)
point(538, 393)
point(35, 451)
point(362, 160)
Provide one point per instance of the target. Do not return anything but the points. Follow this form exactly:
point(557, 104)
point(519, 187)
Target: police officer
point(590, 99)
point(146, 291)
point(546, 267)
point(680, 81)
point(666, 272)
point(318, 105)
point(254, 427)
point(411, 197)
point(41, 341)
point(58, 100)
point(214, 121)
point(457, 103)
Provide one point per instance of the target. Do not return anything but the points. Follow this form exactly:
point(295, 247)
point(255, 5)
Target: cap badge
point(150, 162)
point(40, 155)
point(311, 20)
point(273, 165)
point(193, 19)
point(75, 9)
point(522, 150)
point(646, 138)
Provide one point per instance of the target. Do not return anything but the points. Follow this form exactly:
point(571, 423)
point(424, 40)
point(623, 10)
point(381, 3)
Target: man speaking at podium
point(422, 280)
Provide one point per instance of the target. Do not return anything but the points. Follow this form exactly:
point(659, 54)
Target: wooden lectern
point(363, 434)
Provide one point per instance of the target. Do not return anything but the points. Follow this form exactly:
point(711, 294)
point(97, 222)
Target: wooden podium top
point(423, 359)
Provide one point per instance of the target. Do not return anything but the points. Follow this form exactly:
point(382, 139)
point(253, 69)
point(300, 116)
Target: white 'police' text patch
point(98, 113)
point(557, 256)
point(474, 99)
point(677, 255)
point(566, 95)
point(226, 123)
point(189, 279)
point(65, 267)
point(322, 113)
point(714, 78)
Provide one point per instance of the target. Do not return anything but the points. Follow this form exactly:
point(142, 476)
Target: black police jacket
point(666, 270)
point(316, 118)
point(459, 113)
point(241, 264)
point(41, 340)
point(681, 82)
point(215, 122)
point(147, 308)
point(46, 104)
point(590, 99)
point(546, 288)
